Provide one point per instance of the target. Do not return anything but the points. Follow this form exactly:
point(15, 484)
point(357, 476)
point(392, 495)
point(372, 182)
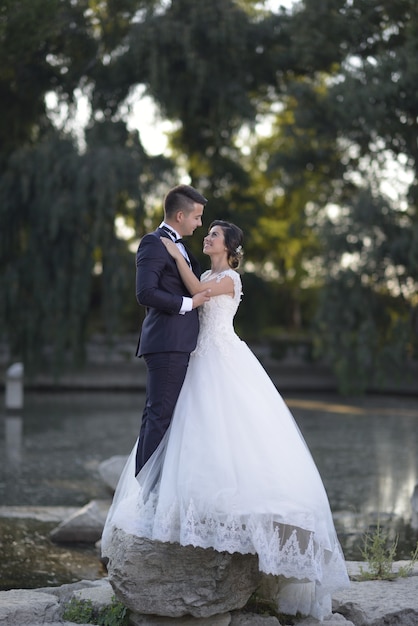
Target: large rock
point(27, 607)
point(152, 577)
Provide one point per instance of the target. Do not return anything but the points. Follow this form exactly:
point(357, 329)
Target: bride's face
point(214, 242)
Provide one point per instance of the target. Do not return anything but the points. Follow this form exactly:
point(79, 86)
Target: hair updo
point(233, 242)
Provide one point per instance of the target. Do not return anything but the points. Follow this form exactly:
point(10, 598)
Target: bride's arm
point(193, 284)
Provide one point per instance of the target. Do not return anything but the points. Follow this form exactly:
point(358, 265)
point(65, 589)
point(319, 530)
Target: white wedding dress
point(233, 472)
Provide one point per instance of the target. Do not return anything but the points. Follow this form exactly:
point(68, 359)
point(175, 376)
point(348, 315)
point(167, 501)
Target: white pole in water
point(14, 386)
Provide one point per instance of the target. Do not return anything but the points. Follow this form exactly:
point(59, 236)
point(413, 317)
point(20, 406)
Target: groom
point(169, 330)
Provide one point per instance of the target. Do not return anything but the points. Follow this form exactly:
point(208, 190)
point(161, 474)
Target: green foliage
point(363, 334)
point(336, 84)
point(45, 45)
point(365, 322)
point(114, 615)
point(79, 611)
point(57, 225)
point(83, 612)
point(200, 70)
point(379, 552)
point(333, 136)
point(406, 570)
point(379, 555)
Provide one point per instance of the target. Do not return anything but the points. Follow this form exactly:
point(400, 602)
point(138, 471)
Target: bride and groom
point(220, 462)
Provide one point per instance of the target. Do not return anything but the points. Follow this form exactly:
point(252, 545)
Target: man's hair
point(182, 198)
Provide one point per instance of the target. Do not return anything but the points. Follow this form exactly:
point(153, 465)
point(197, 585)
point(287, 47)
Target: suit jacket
point(160, 289)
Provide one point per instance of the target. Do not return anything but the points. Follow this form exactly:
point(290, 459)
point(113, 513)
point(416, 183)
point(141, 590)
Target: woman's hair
point(233, 241)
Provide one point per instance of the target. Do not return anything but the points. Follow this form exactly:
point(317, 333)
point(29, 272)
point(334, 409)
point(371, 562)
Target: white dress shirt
point(187, 302)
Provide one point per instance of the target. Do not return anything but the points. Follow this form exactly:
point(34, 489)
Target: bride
point(233, 471)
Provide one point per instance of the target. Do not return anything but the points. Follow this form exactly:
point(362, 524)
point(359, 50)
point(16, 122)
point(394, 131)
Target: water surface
point(366, 451)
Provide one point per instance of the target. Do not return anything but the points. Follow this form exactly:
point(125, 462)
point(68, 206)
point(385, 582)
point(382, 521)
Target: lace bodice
point(217, 315)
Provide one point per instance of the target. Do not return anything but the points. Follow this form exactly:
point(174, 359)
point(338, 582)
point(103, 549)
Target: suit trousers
point(166, 372)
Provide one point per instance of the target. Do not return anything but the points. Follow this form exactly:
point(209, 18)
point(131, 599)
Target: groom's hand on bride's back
point(200, 298)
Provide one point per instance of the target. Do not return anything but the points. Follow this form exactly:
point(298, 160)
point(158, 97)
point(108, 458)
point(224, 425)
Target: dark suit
point(167, 337)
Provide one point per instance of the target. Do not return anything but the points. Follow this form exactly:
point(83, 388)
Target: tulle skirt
point(234, 473)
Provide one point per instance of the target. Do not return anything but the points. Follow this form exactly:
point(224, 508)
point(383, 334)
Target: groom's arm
point(151, 263)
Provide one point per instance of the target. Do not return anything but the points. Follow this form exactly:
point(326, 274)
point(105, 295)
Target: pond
point(366, 450)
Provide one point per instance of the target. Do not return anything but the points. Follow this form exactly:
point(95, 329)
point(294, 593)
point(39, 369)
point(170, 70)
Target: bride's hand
point(171, 247)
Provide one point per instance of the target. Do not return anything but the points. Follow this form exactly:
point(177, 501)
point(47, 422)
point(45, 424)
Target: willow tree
point(57, 227)
point(58, 202)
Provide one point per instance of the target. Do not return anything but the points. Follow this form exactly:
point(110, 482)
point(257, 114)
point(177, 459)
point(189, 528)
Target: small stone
point(188, 620)
point(85, 525)
point(252, 619)
point(111, 469)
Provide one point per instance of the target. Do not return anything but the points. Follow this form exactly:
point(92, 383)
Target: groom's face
point(189, 221)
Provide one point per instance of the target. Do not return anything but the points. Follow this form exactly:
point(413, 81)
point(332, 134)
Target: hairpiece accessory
point(238, 250)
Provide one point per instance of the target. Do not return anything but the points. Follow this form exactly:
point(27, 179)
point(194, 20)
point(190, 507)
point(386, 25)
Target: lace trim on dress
point(282, 549)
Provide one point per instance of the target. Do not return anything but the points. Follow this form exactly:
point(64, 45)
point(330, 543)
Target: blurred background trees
point(298, 123)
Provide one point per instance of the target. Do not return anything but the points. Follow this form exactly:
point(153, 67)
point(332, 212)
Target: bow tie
point(171, 233)
point(177, 240)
